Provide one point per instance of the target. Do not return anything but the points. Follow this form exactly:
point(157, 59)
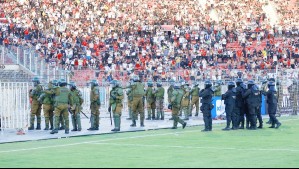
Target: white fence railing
point(14, 107)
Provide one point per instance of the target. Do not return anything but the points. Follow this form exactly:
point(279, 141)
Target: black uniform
point(252, 97)
point(259, 112)
point(272, 101)
point(240, 106)
point(206, 107)
point(230, 108)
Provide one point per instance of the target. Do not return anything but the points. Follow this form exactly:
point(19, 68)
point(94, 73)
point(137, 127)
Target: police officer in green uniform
point(169, 92)
point(206, 105)
point(116, 104)
point(159, 95)
point(36, 106)
point(95, 104)
point(76, 107)
point(47, 100)
point(62, 100)
point(175, 105)
point(137, 102)
point(185, 104)
point(151, 101)
point(218, 89)
point(194, 99)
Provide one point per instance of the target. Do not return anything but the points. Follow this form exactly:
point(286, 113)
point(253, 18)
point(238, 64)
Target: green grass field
point(163, 148)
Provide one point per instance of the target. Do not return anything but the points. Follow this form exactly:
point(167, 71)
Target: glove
point(113, 97)
point(170, 107)
point(109, 109)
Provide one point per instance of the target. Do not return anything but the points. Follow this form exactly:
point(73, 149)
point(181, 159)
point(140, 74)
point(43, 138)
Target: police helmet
point(73, 85)
point(183, 83)
point(36, 81)
point(150, 83)
point(271, 80)
point(208, 84)
point(231, 85)
point(54, 82)
point(271, 84)
point(239, 82)
point(177, 85)
point(159, 84)
point(136, 79)
point(62, 82)
point(250, 84)
point(195, 83)
point(94, 83)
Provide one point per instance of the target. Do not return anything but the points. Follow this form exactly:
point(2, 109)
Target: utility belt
point(138, 96)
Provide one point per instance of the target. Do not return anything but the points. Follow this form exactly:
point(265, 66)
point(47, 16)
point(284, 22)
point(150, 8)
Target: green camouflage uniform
point(194, 100)
point(151, 103)
point(36, 106)
point(169, 94)
point(62, 100)
point(159, 94)
point(94, 107)
point(130, 99)
point(48, 106)
point(116, 105)
point(137, 102)
point(176, 101)
point(218, 92)
point(185, 104)
point(76, 108)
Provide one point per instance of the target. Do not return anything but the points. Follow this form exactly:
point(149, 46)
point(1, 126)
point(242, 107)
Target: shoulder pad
point(234, 90)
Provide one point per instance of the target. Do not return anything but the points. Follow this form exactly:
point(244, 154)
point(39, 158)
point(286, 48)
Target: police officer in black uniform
point(240, 103)
point(252, 96)
point(207, 106)
point(272, 101)
point(259, 111)
point(230, 104)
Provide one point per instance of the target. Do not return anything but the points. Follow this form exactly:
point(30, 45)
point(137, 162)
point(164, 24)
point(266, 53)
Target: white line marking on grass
point(98, 141)
point(192, 147)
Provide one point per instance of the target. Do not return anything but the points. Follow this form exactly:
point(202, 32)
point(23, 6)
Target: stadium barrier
point(14, 107)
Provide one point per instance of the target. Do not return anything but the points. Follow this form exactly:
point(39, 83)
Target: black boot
point(54, 132)
point(278, 125)
point(227, 128)
point(260, 126)
point(133, 124)
point(141, 124)
point(38, 127)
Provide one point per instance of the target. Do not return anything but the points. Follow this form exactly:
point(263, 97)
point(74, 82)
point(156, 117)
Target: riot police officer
point(252, 97)
point(95, 104)
point(76, 107)
point(62, 100)
point(272, 101)
point(186, 102)
point(151, 101)
point(207, 106)
point(159, 95)
point(169, 92)
point(36, 106)
point(230, 103)
point(47, 100)
point(137, 103)
point(115, 104)
point(175, 105)
point(240, 103)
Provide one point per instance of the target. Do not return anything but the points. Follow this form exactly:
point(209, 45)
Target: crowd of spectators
point(156, 37)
